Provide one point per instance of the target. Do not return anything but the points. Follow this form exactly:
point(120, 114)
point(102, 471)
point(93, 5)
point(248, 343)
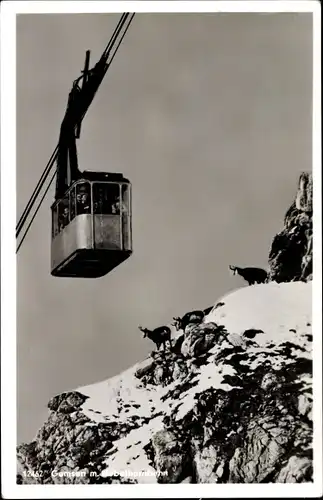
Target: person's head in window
point(63, 217)
point(114, 196)
point(83, 198)
point(82, 194)
point(115, 207)
point(119, 207)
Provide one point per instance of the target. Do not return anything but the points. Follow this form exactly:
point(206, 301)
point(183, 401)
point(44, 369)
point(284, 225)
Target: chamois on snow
point(159, 335)
point(189, 317)
point(251, 274)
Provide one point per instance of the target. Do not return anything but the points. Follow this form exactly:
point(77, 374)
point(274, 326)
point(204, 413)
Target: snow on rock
point(232, 405)
point(272, 305)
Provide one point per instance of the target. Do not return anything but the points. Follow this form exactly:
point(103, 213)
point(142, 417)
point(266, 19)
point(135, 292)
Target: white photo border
point(10, 489)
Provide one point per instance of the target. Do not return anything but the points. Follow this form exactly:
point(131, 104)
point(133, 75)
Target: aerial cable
point(54, 155)
point(36, 191)
point(114, 35)
point(36, 211)
point(121, 39)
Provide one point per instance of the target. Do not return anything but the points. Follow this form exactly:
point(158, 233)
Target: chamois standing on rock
point(251, 274)
point(159, 335)
point(190, 317)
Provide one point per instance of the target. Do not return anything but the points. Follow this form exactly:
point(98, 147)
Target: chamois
point(159, 335)
point(190, 317)
point(251, 274)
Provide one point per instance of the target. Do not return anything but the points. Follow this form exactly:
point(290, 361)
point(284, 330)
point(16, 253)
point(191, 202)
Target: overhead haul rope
point(36, 191)
point(36, 211)
point(53, 157)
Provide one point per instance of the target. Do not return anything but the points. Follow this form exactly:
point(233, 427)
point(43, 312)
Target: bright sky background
point(209, 115)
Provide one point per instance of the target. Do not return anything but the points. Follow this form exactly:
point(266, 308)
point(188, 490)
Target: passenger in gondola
point(63, 219)
point(115, 208)
point(106, 199)
point(118, 207)
point(83, 200)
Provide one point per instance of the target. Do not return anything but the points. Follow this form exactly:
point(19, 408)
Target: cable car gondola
point(91, 214)
point(91, 226)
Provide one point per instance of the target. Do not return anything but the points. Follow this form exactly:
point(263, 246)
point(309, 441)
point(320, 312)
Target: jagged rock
point(307, 257)
point(304, 197)
point(66, 402)
point(146, 367)
point(159, 369)
point(236, 340)
point(290, 257)
point(297, 470)
point(180, 370)
point(304, 404)
point(200, 339)
point(190, 328)
point(269, 381)
point(204, 462)
point(262, 450)
point(169, 456)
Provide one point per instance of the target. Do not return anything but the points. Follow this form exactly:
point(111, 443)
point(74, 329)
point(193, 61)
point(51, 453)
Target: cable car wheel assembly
point(91, 214)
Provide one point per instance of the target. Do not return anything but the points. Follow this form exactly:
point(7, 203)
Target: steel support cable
point(55, 153)
point(36, 191)
point(121, 39)
point(36, 211)
point(121, 22)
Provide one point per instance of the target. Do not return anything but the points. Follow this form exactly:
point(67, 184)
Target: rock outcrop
point(232, 405)
point(290, 257)
point(231, 402)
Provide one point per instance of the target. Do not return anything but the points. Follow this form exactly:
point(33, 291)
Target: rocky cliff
point(290, 257)
point(230, 402)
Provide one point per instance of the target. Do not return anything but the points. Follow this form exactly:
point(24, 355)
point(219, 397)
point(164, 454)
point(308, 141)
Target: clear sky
point(209, 115)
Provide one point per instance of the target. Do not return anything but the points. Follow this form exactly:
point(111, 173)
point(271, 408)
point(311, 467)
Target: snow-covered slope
point(284, 309)
point(197, 412)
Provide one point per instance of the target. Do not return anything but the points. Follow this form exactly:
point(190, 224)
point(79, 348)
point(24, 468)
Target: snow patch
point(131, 458)
point(274, 307)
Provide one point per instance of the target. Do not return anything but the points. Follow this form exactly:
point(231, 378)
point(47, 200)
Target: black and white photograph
point(160, 257)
